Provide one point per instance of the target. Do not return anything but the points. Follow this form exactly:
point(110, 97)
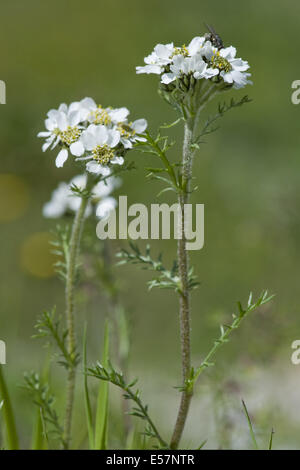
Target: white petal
point(195, 45)
point(139, 126)
point(101, 134)
point(74, 118)
point(113, 138)
point(63, 108)
point(119, 114)
point(46, 145)
point(44, 134)
point(117, 160)
point(167, 78)
point(77, 149)
point(88, 103)
point(228, 52)
point(163, 51)
point(50, 124)
point(126, 143)
point(61, 158)
point(62, 121)
point(149, 69)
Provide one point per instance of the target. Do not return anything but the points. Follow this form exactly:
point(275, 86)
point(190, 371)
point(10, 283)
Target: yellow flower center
point(69, 136)
point(180, 50)
point(103, 154)
point(218, 62)
point(101, 116)
point(126, 130)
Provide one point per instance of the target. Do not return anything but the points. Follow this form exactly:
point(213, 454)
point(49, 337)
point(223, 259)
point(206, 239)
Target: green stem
point(70, 281)
point(184, 303)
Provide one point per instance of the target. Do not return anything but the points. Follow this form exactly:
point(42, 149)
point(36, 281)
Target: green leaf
point(87, 402)
point(102, 405)
point(8, 414)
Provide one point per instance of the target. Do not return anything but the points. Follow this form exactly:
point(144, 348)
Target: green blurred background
point(247, 173)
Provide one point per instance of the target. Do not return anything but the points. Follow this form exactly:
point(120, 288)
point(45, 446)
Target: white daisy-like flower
point(130, 132)
point(99, 142)
point(158, 59)
point(63, 199)
point(231, 69)
point(107, 116)
point(63, 127)
point(194, 65)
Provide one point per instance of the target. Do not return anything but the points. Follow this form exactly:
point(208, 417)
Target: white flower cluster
point(64, 199)
point(99, 136)
point(200, 59)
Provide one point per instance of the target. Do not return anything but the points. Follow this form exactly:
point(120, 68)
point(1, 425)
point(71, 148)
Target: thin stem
point(162, 155)
point(184, 303)
point(70, 281)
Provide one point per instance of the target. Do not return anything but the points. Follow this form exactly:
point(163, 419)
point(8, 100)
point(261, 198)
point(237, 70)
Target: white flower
point(131, 132)
point(64, 199)
point(107, 116)
point(188, 66)
point(105, 207)
point(199, 59)
point(91, 132)
point(57, 206)
point(99, 142)
point(158, 59)
point(84, 107)
point(63, 127)
point(231, 69)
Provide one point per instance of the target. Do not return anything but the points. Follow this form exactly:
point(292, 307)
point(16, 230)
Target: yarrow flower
point(91, 133)
point(64, 199)
point(199, 60)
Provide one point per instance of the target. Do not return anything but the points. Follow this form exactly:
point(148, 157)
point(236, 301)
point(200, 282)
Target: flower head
point(199, 60)
point(62, 127)
point(64, 199)
point(100, 136)
point(231, 69)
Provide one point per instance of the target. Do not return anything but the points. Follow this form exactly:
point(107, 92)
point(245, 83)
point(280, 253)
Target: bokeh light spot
point(36, 256)
point(14, 197)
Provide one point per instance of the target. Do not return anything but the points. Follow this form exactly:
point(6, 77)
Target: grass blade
point(39, 441)
point(11, 431)
point(250, 426)
point(202, 444)
point(135, 439)
point(102, 403)
point(271, 440)
point(88, 408)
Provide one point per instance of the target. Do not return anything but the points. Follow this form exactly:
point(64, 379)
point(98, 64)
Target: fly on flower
point(213, 37)
point(203, 60)
point(93, 134)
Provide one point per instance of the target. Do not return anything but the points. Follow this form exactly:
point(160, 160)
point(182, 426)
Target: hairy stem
point(184, 303)
point(70, 281)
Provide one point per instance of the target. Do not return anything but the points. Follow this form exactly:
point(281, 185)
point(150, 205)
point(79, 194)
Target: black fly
point(213, 37)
